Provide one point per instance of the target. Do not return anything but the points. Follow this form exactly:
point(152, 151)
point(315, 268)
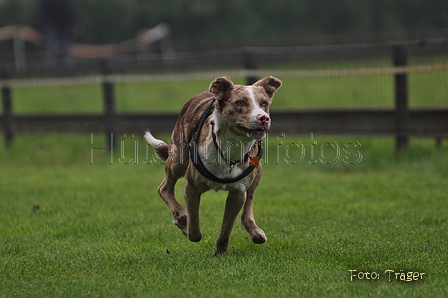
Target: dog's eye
point(264, 103)
point(239, 102)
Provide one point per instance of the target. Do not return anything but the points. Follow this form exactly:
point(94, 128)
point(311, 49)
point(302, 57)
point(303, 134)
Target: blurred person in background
point(59, 19)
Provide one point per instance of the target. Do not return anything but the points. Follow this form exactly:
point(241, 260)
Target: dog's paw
point(220, 253)
point(259, 237)
point(181, 222)
point(195, 237)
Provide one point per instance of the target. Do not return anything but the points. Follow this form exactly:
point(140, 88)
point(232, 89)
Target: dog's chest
point(221, 168)
point(241, 185)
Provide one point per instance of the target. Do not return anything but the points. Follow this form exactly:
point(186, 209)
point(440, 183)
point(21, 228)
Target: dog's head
point(245, 109)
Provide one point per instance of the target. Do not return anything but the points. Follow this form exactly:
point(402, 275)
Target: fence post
point(7, 110)
point(401, 99)
point(249, 64)
point(109, 104)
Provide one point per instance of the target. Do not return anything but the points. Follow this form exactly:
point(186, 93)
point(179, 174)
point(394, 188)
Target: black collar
point(197, 161)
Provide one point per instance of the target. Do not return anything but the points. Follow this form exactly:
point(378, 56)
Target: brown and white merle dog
point(216, 145)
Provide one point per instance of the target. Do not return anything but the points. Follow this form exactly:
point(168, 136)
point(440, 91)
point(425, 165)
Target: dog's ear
point(269, 84)
point(221, 88)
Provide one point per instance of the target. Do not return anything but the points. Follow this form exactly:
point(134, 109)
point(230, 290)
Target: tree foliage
point(108, 21)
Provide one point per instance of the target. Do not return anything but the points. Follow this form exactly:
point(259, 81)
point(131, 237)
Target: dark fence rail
point(371, 122)
point(400, 121)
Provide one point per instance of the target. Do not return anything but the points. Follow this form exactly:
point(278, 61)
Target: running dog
point(216, 144)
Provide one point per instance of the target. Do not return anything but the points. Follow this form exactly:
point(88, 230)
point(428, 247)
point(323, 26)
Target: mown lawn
point(69, 228)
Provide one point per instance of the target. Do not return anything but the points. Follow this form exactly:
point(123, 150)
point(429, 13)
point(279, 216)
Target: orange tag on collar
point(254, 161)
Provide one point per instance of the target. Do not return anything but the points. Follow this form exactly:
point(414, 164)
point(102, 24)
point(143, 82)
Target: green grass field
point(73, 229)
point(78, 222)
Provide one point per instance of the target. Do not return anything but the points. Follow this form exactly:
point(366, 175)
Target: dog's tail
point(162, 148)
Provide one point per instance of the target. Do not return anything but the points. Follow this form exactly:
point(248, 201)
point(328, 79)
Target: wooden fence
point(400, 121)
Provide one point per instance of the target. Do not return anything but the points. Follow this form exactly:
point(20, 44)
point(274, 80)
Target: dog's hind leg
point(175, 167)
point(247, 218)
point(166, 192)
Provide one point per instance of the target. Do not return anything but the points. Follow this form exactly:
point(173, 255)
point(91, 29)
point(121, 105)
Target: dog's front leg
point(247, 218)
point(192, 201)
point(234, 203)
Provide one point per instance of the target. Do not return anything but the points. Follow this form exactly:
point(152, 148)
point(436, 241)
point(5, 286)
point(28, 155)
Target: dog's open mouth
point(257, 133)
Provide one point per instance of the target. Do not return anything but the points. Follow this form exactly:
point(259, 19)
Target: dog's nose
point(263, 118)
